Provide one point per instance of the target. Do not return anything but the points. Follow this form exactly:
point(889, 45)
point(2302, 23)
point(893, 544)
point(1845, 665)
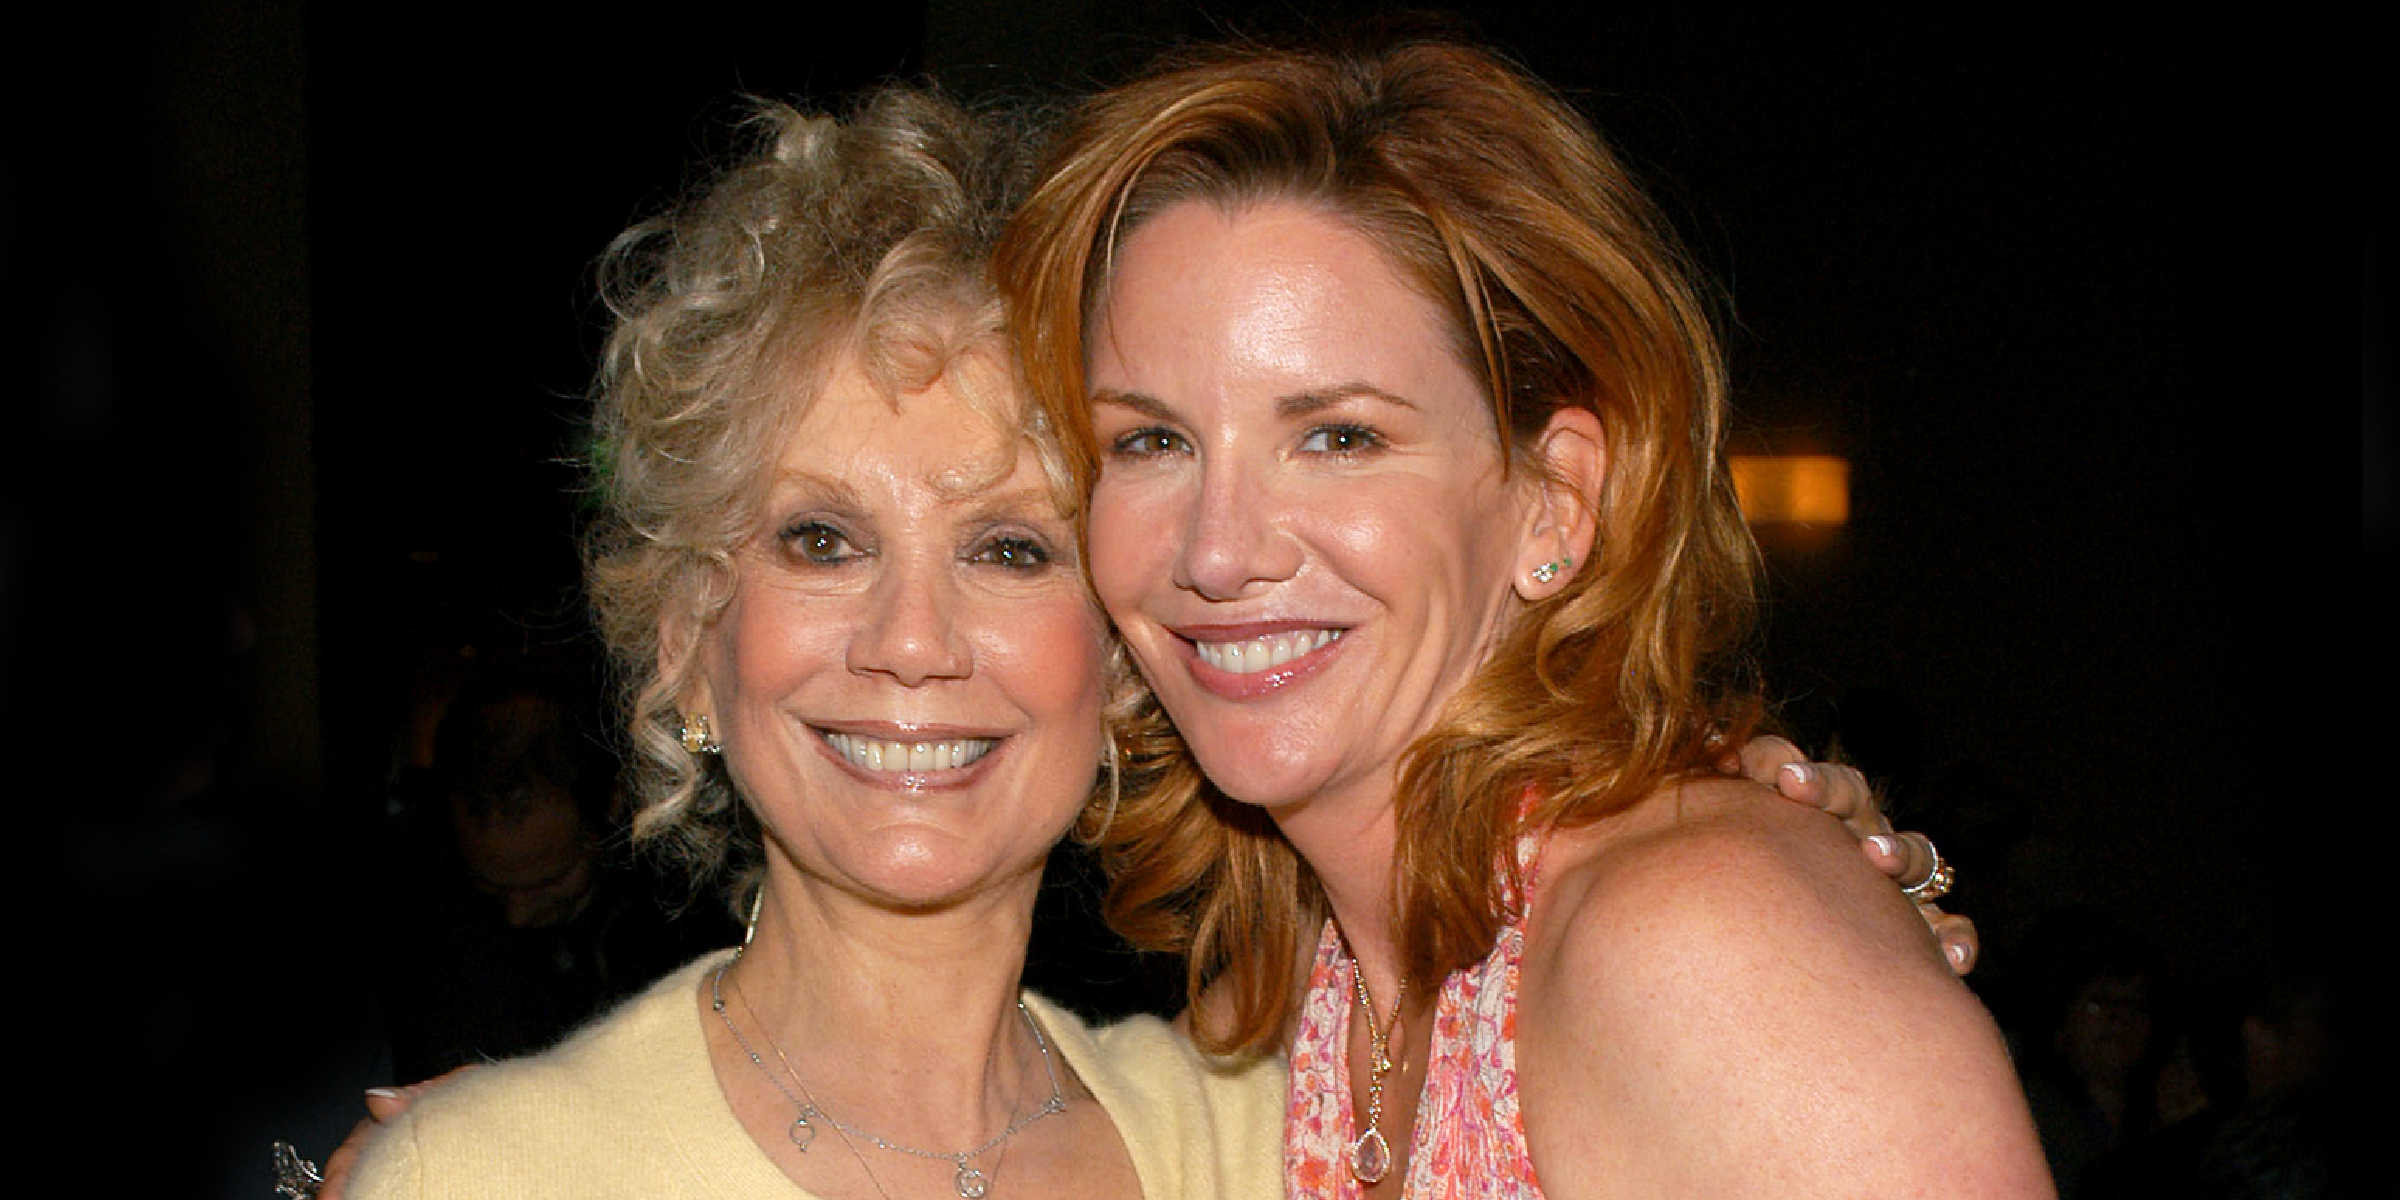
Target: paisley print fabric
point(1469, 1142)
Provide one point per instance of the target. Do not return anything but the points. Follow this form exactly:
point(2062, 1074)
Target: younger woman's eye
point(1014, 553)
point(1149, 441)
point(819, 542)
point(1341, 439)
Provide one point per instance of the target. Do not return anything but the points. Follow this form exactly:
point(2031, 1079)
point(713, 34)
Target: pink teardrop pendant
point(1370, 1157)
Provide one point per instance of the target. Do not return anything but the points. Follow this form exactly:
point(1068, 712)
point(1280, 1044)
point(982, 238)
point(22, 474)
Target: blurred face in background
point(529, 852)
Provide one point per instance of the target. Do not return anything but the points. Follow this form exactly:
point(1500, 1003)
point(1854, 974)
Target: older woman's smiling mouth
point(908, 756)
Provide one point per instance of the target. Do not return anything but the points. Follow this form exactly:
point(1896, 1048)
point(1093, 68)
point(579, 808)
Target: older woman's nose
point(1232, 540)
point(910, 630)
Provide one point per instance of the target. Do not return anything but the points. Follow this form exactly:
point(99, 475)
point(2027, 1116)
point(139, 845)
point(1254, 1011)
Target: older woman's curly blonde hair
point(866, 237)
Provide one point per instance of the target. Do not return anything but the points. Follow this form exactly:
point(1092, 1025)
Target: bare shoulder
point(1712, 869)
point(1720, 997)
point(1710, 908)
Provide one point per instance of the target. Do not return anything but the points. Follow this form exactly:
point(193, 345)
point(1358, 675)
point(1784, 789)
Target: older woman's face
point(907, 681)
point(1301, 527)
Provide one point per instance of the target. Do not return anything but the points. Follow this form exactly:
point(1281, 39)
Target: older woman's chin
point(922, 867)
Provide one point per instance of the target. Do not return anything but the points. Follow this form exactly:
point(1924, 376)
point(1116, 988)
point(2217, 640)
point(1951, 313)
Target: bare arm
point(1718, 1000)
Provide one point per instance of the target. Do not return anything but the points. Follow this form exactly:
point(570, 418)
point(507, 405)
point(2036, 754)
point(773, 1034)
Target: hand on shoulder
point(1720, 997)
point(385, 1105)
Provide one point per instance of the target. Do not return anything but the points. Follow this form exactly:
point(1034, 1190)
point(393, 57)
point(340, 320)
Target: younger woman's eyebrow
point(1299, 404)
point(1146, 405)
point(1316, 400)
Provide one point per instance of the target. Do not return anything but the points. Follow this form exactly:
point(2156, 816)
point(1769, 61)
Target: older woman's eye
point(1147, 442)
point(1341, 439)
point(818, 542)
point(1014, 553)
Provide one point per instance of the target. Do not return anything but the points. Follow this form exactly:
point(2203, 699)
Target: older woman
point(867, 680)
point(1403, 429)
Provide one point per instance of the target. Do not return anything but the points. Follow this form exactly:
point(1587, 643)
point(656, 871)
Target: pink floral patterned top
point(1469, 1142)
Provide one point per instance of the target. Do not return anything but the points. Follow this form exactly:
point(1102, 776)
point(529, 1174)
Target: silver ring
point(1936, 883)
point(296, 1178)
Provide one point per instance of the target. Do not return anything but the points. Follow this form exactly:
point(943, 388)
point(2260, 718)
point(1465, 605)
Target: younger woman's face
point(1302, 526)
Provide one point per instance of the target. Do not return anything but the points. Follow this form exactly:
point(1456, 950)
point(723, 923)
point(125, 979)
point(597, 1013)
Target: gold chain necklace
point(1370, 1154)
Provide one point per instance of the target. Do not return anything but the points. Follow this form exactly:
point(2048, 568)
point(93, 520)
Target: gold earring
point(696, 736)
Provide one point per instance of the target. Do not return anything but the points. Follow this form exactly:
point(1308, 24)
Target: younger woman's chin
point(1277, 789)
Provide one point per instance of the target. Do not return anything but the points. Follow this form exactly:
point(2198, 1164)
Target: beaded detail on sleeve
point(1469, 1142)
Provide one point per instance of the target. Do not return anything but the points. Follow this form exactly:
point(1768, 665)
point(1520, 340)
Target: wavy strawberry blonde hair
point(1563, 286)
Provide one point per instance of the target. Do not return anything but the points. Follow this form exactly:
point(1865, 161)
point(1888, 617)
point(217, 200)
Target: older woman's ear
point(1573, 459)
point(679, 659)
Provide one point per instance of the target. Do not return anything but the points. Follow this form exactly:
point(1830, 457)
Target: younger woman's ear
point(1573, 459)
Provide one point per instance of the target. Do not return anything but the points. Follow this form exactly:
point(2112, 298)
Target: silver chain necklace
point(972, 1184)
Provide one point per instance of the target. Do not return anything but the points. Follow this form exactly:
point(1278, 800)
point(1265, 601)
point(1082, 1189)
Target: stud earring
point(1550, 570)
point(696, 736)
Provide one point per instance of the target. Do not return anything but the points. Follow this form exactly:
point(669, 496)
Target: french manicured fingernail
point(1958, 955)
point(384, 1093)
point(1800, 772)
point(1885, 844)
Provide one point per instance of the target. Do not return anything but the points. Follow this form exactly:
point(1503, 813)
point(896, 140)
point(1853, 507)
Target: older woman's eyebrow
point(994, 501)
point(1017, 503)
point(791, 486)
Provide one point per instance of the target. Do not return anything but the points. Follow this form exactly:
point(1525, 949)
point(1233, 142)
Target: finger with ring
point(1937, 882)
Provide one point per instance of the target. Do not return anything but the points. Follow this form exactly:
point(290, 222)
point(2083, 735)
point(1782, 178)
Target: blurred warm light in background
point(1793, 489)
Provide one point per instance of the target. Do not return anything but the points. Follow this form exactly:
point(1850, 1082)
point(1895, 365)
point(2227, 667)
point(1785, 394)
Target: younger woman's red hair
point(1563, 287)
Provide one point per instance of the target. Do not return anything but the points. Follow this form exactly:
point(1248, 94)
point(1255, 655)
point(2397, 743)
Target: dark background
point(298, 311)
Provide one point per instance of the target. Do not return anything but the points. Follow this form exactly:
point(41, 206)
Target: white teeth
point(1263, 653)
point(875, 754)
